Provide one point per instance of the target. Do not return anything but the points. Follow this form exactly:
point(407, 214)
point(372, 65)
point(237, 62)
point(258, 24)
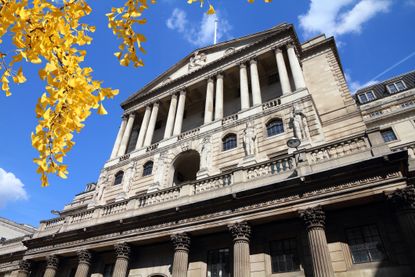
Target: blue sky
point(373, 36)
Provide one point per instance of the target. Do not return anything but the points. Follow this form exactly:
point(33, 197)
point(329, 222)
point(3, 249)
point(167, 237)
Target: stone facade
point(201, 182)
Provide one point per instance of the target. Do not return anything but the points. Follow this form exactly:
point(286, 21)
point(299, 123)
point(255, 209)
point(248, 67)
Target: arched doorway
point(185, 167)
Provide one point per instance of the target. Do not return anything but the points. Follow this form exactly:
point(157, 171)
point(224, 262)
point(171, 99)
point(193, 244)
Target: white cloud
point(340, 16)
point(11, 188)
point(199, 34)
point(356, 85)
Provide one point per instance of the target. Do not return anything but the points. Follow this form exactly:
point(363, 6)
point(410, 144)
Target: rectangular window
point(366, 97)
point(218, 263)
point(388, 135)
point(284, 256)
point(396, 87)
point(365, 244)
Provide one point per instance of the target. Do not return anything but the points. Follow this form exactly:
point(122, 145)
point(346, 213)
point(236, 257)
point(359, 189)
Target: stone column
point(24, 268)
point(179, 115)
point(314, 219)
point(170, 117)
point(52, 263)
point(241, 233)
point(295, 68)
point(119, 137)
point(84, 262)
point(151, 124)
point(219, 97)
point(143, 128)
point(209, 101)
point(243, 77)
point(256, 88)
point(282, 72)
point(122, 250)
point(403, 201)
point(126, 136)
point(181, 244)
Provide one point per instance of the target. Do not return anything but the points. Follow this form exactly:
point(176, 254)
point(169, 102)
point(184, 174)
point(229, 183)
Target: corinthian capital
point(84, 256)
point(403, 199)
point(313, 217)
point(24, 265)
point(181, 241)
point(122, 250)
point(240, 231)
point(52, 261)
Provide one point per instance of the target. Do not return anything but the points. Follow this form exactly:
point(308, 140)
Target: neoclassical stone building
point(246, 158)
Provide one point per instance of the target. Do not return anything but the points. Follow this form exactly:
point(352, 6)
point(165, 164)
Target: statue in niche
point(298, 122)
point(160, 169)
point(197, 60)
point(249, 139)
point(205, 152)
point(102, 181)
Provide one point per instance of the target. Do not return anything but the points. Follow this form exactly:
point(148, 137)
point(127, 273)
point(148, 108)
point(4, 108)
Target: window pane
point(392, 88)
point(148, 169)
point(365, 244)
point(284, 256)
point(370, 96)
point(363, 98)
point(275, 127)
point(229, 142)
point(388, 135)
point(218, 264)
point(118, 178)
point(400, 85)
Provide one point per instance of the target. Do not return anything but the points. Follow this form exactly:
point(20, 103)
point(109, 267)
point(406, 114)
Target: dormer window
point(366, 96)
point(396, 87)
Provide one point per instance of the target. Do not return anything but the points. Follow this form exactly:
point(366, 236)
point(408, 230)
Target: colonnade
point(403, 200)
point(214, 102)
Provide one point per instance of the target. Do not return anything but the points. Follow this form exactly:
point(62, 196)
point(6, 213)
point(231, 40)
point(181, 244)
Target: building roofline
point(24, 227)
point(384, 82)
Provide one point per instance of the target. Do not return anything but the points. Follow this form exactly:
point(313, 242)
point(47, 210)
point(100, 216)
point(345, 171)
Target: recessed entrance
point(186, 166)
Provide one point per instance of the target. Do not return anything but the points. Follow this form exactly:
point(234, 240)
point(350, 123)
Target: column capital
point(210, 78)
point(124, 117)
point(313, 217)
point(181, 241)
point(122, 250)
point(173, 93)
point(219, 74)
point(182, 91)
point(156, 102)
point(403, 199)
point(253, 60)
point(25, 265)
point(290, 45)
point(132, 115)
point(242, 64)
point(84, 256)
point(240, 231)
point(277, 49)
point(52, 261)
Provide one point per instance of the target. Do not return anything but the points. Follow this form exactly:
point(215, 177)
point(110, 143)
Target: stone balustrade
point(52, 223)
point(82, 216)
point(152, 147)
point(159, 196)
point(271, 168)
point(270, 104)
point(189, 134)
point(212, 183)
point(230, 119)
point(114, 208)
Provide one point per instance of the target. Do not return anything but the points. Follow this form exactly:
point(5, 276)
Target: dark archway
point(185, 166)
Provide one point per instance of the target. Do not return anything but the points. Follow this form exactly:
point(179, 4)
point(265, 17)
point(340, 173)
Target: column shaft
point(180, 113)
point(82, 270)
point(256, 87)
point(320, 254)
point(24, 268)
point(180, 263)
point(120, 267)
point(243, 77)
point(50, 272)
point(118, 139)
point(209, 101)
point(295, 68)
point(170, 117)
point(22, 273)
point(151, 124)
point(52, 263)
point(241, 266)
point(143, 128)
point(126, 136)
point(282, 72)
point(219, 97)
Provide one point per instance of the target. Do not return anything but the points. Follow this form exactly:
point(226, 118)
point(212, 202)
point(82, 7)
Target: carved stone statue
point(299, 124)
point(205, 152)
point(102, 181)
point(160, 170)
point(249, 139)
point(197, 60)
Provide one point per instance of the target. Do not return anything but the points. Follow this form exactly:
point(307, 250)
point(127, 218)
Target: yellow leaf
point(19, 78)
point(211, 10)
point(101, 110)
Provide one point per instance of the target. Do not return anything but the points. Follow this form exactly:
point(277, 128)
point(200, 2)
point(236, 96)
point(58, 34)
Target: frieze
point(275, 203)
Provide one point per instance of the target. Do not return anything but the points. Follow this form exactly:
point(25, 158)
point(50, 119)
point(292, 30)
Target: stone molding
point(52, 261)
point(313, 217)
point(122, 250)
point(84, 256)
point(25, 265)
point(181, 241)
point(240, 231)
point(403, 199)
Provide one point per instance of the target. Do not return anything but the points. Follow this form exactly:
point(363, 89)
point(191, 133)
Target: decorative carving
point(52, 261)
point(84, 256)
point(240, 231)
point(205, 153)
point(197, 61)
point(122, 250)
point(403, 199)
point(24, 265)
point(181, 241)
point(229, 51)
point(298, 122)
point(249, 139)
point(313, 217)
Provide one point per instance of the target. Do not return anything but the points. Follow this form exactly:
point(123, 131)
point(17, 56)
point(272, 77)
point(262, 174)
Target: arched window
point(118, 177)
point(148, 168)
point(275, 127)
point(229, 142)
